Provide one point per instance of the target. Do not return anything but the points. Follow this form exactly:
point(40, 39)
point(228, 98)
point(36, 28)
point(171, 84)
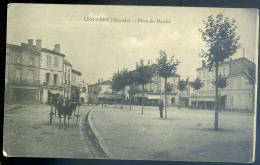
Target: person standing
point(161, 109)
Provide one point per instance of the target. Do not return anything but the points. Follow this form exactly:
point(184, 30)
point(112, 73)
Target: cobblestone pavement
point(28, 133)
point(186, 135)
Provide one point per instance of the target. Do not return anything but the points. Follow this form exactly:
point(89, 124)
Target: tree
point(133, 80)
point(219, 35)
point(124, 81)
point(221, 82)
point(116, 86)
point(166, 68)
point(250, 75)
point(182, 86)
point(197, 84)
point(145, 74)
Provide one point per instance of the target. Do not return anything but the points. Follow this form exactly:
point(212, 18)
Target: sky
point(98, 49)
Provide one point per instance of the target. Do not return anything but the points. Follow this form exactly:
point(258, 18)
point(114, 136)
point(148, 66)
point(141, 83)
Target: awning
point(153, 97)
point(54, 92)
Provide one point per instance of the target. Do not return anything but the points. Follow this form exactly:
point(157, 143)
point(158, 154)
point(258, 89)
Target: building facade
point(101, 92)
point(75, 85)
point(67, 74)
point(22, 74)
point(51, 71)
point(237, 95)
point(154, 91)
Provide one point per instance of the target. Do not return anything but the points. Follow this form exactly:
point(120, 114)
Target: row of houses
point(34, 74)
point(238, 94)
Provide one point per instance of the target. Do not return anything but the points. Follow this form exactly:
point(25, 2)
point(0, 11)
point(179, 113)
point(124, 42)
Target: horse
point(65, 108)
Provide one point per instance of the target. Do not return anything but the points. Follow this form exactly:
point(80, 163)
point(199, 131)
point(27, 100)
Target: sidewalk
point(187, 135)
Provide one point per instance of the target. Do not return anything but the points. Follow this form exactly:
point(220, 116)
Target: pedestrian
point(161, 109)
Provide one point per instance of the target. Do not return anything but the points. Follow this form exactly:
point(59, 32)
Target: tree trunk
point(216, 99)
point(115, 99)
point(122, 99)
point(143, 100)
point(180, 101)
point(197, 104)
point(165, 92)
point(130, 97)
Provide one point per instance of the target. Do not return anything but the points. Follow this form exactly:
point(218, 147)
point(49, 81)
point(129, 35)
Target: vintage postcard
point(131, 83)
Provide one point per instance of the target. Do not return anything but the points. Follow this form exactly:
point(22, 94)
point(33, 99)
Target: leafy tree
point(116, 84)
point(133, 80)
point(124, 81)
point(166, 68)
point(250, 75)
point(219, 35)
point(182, 86)
point(145, 74)
point(197, 84)
point(169, 87)
point(221, 81)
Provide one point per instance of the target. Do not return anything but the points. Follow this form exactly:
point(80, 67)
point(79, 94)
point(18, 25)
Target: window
point(48, 62)
point(231, 83)
point(239, 83)
point(208, 86)
point(213, 73)
point(55, 79)
point(224, 71)
point(231, 101)
point(239, 101)
point(18, 75)
point(19, 59)
point(31, 61)
point(100, 89)
point(30, 76)
point(56, 62)
point(47, 77)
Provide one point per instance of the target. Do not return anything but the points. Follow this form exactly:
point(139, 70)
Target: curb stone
point(100, 138)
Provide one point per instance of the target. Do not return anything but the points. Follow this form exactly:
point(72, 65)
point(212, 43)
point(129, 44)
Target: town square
point(80, 86)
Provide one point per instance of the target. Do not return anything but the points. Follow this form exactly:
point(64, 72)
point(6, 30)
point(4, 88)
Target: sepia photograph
point(131, 82)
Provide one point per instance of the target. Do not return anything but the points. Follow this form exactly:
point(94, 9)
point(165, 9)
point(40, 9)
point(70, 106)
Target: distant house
point(102, 92)
point(238, 93)
point(22, 76)
point(154, 91)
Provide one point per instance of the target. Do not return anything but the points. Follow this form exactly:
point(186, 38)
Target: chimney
point(39, 43)
point(98, 81)
point(101, 80)
point(30, 42)
point(56, 48)
point(203, 63)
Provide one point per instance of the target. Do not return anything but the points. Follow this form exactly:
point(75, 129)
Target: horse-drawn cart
point(65, 108)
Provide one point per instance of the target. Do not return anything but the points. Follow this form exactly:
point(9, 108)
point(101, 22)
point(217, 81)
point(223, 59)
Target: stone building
point(83, 91)
point(22, 73)
point(154, 91)
point(67, 74)
point(51, 71)
point(102, 92)
point(238, 94)
point(75, 85)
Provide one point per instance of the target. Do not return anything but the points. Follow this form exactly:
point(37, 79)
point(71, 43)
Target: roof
point(107, 82)
point(53, 52)
point(67, 63)
point(229, 61)
point(23, 48)
point(76, 72)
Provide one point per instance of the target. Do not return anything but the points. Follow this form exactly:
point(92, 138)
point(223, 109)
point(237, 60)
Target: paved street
point(186, 134)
